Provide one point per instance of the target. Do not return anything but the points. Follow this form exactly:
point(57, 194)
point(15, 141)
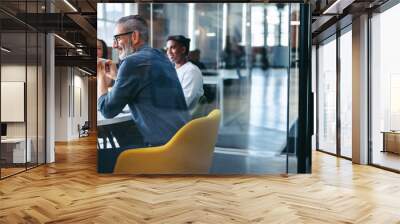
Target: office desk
point(106, 138)
point(13, 150)
point(391, 141)
point(218, 80)
point(113, 136)
point(117, 132)
point(125, 115)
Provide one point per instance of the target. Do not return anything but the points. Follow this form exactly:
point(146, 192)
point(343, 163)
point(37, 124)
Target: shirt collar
point(144, 46)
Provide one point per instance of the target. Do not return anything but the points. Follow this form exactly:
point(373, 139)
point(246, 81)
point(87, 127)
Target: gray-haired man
point(146, 81)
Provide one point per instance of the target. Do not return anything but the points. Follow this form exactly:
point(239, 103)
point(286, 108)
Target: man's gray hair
point(135, 23)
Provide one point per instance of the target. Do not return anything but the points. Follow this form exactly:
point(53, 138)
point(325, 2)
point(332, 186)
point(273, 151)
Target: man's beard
point(127, 50)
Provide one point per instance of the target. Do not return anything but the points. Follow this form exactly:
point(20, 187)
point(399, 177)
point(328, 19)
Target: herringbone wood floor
point(71, 191)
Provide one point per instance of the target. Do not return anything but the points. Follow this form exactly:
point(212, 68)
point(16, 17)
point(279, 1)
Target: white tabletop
point(125, 115)
point(225, 73)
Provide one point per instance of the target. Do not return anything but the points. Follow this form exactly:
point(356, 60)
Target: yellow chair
point(190, 151)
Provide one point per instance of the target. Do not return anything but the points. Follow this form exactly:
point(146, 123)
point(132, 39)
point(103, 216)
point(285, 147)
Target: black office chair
point(84, 130)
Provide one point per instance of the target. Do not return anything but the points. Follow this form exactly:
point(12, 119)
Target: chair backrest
point(190, 151)
point(195, 142)
point(86, 125)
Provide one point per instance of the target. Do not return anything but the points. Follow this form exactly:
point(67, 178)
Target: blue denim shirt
point(148, 83)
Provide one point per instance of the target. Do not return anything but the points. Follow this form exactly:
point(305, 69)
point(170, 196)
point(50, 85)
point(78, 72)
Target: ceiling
point(329, 16)
point(76, 22)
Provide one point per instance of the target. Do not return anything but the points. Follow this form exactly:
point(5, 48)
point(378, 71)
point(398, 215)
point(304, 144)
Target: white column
point(50, 101)
point(360, 90)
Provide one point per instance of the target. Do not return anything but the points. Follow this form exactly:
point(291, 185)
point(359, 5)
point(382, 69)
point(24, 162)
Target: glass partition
point(22, 89)
point(326, 138)
point(385, 89)
point(346, 93)
point(32, 98)
point(243, 51)
point(13, 105)
point(41, 97)
point(293, 97)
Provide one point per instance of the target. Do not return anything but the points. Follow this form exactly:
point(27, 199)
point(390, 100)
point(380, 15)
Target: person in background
point(194, 57)
point(146, 81)
point(101, 49)
point(189, 74)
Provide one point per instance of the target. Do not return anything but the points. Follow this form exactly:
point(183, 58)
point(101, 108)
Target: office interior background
point(48, 83)
point(356, 82)
point(270, 53)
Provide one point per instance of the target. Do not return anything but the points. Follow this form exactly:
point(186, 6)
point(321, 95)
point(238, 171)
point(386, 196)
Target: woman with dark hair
point(102, 49)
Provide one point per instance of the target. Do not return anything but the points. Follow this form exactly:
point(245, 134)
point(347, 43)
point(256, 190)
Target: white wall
point(61, 103)
point(14, 73)
point(33, 126)
point(81, 104)
point(71, 94)
point(17, 73)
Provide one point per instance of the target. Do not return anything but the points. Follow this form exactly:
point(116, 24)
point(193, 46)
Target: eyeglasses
point(118, 36)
